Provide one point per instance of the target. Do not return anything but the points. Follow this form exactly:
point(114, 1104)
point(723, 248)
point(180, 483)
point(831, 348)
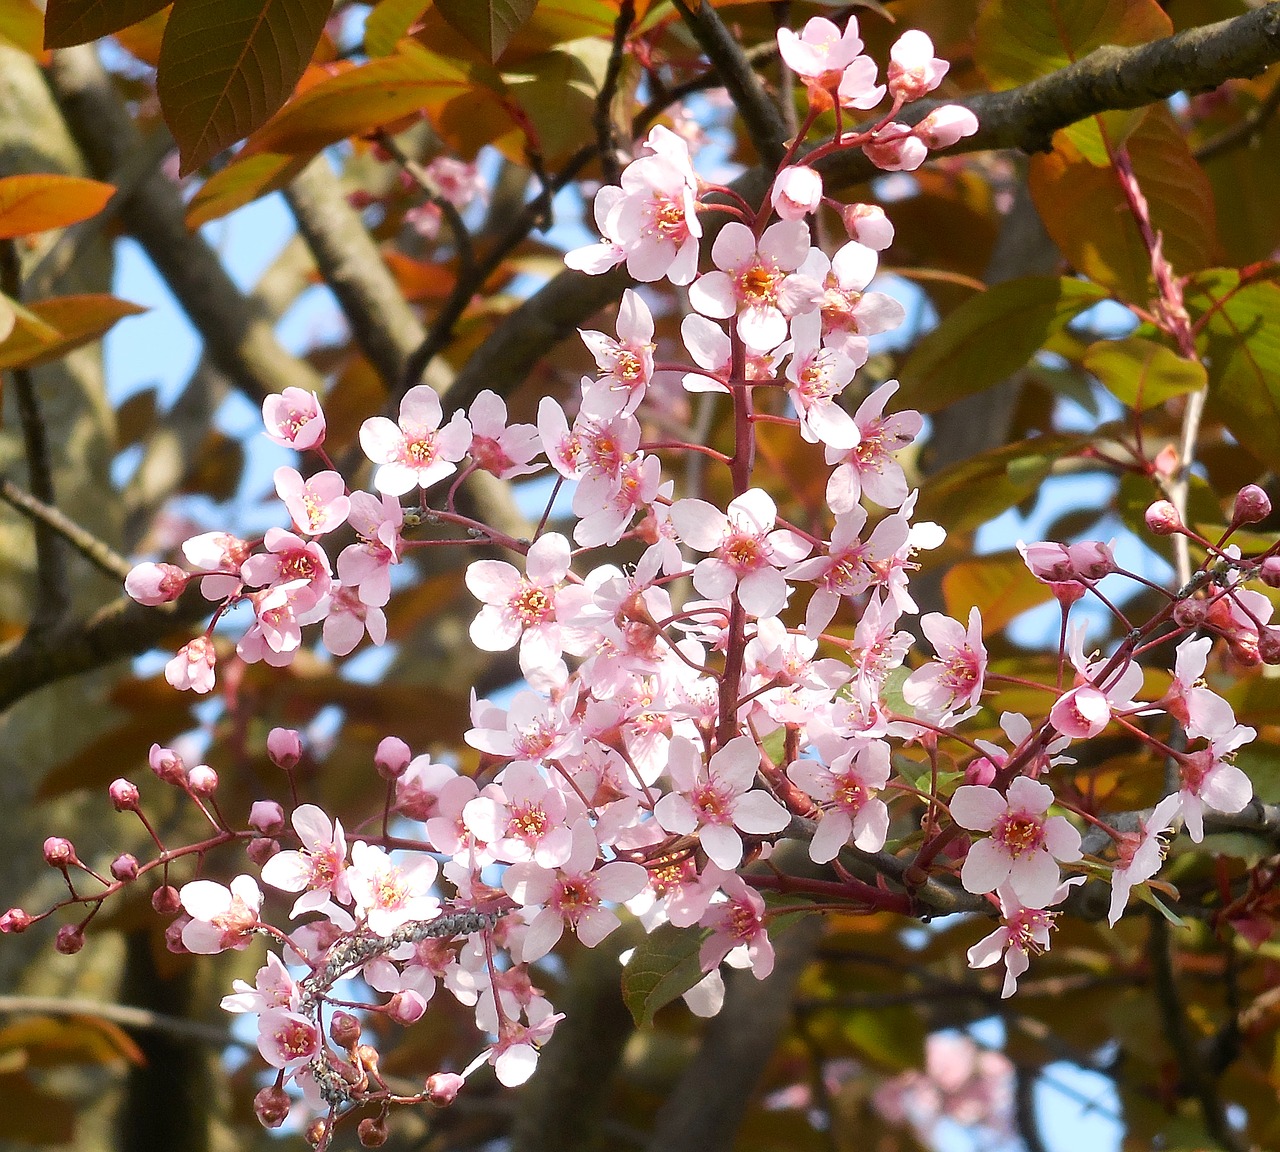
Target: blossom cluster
point(746, 680)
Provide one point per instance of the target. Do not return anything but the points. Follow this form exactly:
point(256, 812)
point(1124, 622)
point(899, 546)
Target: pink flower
point(953, 679)
point(290, 560)
point(317, 505)
point(287, 1039)
point(221, 917)
point(1026, 930)
point(868, 225)
point(850, 313)
point(1209, 781)
point(572, 894)
point(625, 364)
point(818, 375)
point(523, 818)
point(153, 584)
point(896, 148)
point(294, 419)
point(718, 801)
point(319, 869)
point(193, 666)
point(913, 68)
point(747, 551)
point(388, 895)
point(797, 192)
point(456, 181)
point(220, 555)
point(757, 281)
point(366, 565)
point(829, 62)
point(348, 620)
point(273, 987)
point(1140, 854)
point(515, 1056)
point(1024, 846)
point(417, 452)
point(737, 922)
point(847, 790)
point(710, 348)
point(504, 451)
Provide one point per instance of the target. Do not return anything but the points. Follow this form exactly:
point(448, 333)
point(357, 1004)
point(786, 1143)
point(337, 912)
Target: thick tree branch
point(1023, 118)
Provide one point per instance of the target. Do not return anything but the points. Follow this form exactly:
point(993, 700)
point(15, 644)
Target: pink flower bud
point(1269, 645)
point(70, 939)
point(284, 746)
point(944, 126)
point(1166, 461)
point(345, 1029)
point(15, 920)
point(154, 584)
point(980, 771)
point(124, 795)
point(1252, 505)
point(59, 852)
point(261, 848)
point(193, 666)
point(372, 1131)
point(1269, 572)
point(1190, 613)
point(202, 780)
point(406, 1007)
point(1091, 559)
point(392, 757)
point(913, 69)
point(266, 816)
point(1162, 518)
point(166, 900)
point(896, 149)
point(271, 1106)
point(443, 1088)
point(124, 867)
point(173, 936)
point(167, 764)
point(797, 192)
point(868, 225)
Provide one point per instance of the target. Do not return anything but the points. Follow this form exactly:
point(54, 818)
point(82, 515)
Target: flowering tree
point(716, 682)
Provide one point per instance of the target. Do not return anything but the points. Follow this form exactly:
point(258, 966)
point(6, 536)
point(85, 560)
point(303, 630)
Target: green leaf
point(68, 22)
point(892, 1038)
point(363, 99)
point(487, 24)
point(1241, 341)
point(227, 65)
point(1142, 373)
point(989, 337)
point(663, 967)
point(1019, 40)
point(389, 23)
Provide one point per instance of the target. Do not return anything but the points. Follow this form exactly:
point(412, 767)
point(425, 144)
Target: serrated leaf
point(227, 65)
point(363, 99)
point(1000, 585)
point(989, 337)
point(68, 22)
point(1018, 40)
point(49, 329)
point(488, 25)
point(22, 26)
point(389, 23)
point(1085, 211)
point(39, 202)
point(663, 967)
point(1142, 373)
point(1241, 340)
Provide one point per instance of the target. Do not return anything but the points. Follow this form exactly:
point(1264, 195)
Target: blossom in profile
point(222, 916)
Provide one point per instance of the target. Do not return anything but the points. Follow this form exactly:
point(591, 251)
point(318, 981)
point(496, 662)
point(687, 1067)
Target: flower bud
point(868, 225)
point(1269, 572)
point(315, 1132)
point(1091, 559)
point(366, 1056)
point(1269, 645)
point(124, 867)
point(59, 852)
point(980, 771)
point(173, 936)
point(70, 939)
point(443, 1088)
point(1190, 613)
point(261, 848)
point(266, 816)
point(284, 746)
point(202, 780)
point(124, 795)
point(797, 192)
point(154, 584)
point(166, 900)
point(392, 757)
point(345, 1029)
point(406, 1007)
point(1252, 505)
point(944, 126)
point(372, 1131)
point(1162, 518)
point(271, 1106)
point(167, 764)
point(15, 920)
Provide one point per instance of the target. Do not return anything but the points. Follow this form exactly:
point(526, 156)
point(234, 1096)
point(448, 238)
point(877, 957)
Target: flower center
point(759, 285)
point(531, 604)
point(1020, 834)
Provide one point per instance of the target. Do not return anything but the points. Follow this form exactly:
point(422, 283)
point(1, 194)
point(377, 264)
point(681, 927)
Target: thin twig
point(603, 116)
point(97, 551)
point(420, 176)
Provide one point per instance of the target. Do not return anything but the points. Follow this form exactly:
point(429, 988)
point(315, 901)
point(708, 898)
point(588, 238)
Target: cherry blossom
point(796, 192)
point(847, 789)
point(850, 313)
point(318, 504)
point(913, 68)
point(387, 894)
point(736, 922)
point(319, 869)
point(294, 419)
point(625, 364)
point(1140, 854)
point(366, 565)
point(952, 681)
point(192, 667)
point(416, 452)
point(222, 916)
point(870, 468)
point(502, 449)
point(1025, 930)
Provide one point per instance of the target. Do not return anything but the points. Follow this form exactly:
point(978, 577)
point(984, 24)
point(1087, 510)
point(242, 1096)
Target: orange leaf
point(417, 279)
point(50, 329)
point(244, 179)
point(39, 202)
point(22, 26)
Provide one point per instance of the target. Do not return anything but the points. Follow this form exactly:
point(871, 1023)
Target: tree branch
point(140, 1019)
point(97, 551)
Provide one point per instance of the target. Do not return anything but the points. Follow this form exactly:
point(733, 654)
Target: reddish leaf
point(42, 201)
point(487, 24)
point(363, 99)
point(50, 329)
point(227, 65)
point(68, 22)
